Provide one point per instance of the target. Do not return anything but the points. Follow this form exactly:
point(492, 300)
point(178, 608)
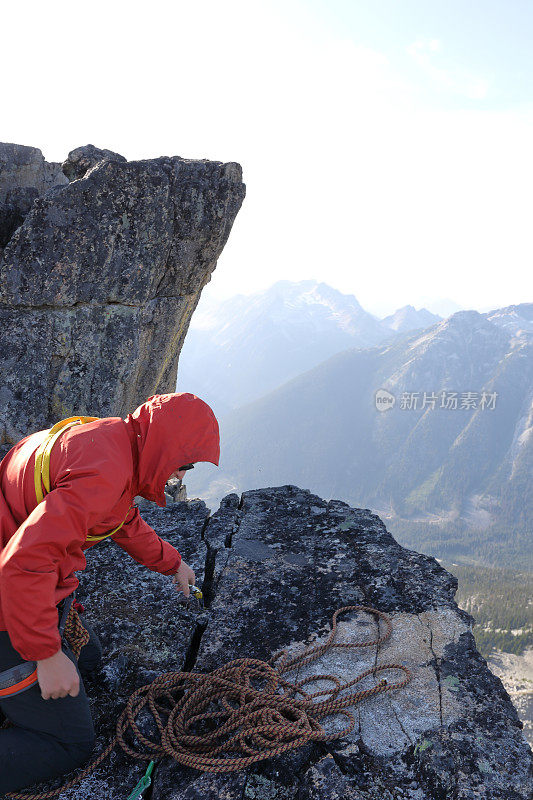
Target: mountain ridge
point(464, 462)
point(241, 348)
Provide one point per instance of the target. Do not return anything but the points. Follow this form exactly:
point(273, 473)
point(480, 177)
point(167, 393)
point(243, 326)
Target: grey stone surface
point(24, 175)
point(274, 565)
point(82, 159)
point(99, 281)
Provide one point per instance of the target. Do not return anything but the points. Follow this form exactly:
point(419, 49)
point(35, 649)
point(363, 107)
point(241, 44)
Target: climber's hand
point(57, 677)
point(184, 578)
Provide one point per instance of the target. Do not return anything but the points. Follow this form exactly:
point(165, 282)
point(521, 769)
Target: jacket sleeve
point(143, 544)
point(31, 562)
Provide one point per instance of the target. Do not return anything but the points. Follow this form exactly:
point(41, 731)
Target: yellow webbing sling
point(42, 465)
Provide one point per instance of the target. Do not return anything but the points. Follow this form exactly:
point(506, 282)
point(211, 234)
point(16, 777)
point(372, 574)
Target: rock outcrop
point(24, 175)
point(274, 567)
point(102, 263)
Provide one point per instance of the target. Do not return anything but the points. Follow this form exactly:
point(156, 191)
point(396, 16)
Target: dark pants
point(49, 737)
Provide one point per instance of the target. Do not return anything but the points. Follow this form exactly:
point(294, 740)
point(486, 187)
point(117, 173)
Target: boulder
point(99, 277)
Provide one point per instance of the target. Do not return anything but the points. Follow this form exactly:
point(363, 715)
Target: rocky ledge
point(274, 566)
point(102, 263)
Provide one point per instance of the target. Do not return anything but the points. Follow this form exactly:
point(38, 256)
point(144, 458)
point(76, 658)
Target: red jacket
point(96, 470)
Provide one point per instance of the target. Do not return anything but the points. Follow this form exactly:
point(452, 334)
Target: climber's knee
point(79, 752)
point(90, 659)
point(91, 654)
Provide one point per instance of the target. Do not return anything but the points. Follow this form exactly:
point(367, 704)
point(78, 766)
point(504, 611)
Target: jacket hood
point(171, 430)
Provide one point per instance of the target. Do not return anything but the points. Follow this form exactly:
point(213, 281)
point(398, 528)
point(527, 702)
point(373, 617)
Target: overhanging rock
point(274, 567)
point(99, 277)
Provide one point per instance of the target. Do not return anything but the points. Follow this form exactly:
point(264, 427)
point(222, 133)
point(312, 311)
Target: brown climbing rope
point(76, 635)
point(249, 722)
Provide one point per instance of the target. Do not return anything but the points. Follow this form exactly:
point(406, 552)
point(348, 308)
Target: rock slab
point(274, 565)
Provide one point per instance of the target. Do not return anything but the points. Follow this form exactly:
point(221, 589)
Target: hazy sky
point(386, 144)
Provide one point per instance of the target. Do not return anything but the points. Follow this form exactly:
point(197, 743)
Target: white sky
point(399, 184)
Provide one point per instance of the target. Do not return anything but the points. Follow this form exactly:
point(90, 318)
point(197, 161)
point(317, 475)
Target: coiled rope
point(221, 721)
point(76, 635)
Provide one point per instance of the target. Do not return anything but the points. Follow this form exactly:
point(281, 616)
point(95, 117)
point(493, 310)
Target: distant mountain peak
point(524, 310)
point(459, 317)
point(516, 319)
point(462, 322)
point(248, 345)
point(407, 318)
point(312, 288)
point(285, 286)
point(457, 333)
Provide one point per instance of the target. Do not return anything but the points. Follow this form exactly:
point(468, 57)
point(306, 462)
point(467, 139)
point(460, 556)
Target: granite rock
point(99, 280)
point(274, 565)
point(82, 159)
point(24, 175)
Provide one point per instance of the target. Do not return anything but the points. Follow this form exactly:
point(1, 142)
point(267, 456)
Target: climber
point(97, 468)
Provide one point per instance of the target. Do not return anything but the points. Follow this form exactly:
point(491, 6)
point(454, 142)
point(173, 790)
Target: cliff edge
point(102, 263)
point(274, 565)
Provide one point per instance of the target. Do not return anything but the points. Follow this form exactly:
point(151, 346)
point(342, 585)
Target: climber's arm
point(143, 544)
point(31, 561)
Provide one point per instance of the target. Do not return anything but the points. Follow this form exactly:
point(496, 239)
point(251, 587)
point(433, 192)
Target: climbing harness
point(248, 723)
point(17, 679)
point(42, 454)
point(42, 465)
point(23, 676)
